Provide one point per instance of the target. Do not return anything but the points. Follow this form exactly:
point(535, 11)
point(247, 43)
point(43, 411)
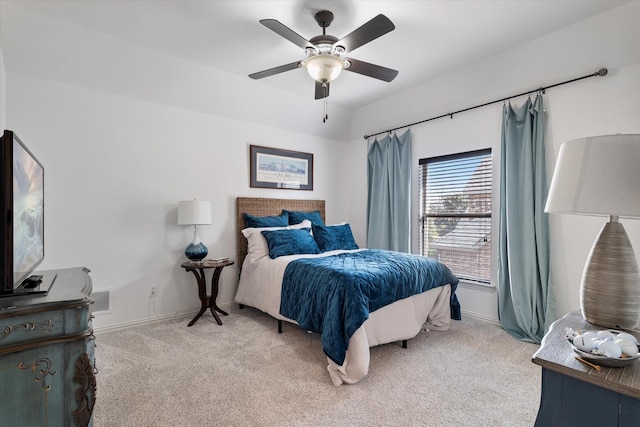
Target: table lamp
point(600, 175)
point(195, 212)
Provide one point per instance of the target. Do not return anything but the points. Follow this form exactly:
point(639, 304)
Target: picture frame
point(281, 169)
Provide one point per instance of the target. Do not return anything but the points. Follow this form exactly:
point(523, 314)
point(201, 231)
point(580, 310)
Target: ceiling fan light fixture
point(325, 54)
point(324, 67)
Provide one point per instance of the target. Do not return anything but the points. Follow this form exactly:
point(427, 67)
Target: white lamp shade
point(192, 212)
point(324, 67)
point(598, 175)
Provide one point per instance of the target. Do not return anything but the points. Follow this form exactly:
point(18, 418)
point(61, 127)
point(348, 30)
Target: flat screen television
point(22, 226)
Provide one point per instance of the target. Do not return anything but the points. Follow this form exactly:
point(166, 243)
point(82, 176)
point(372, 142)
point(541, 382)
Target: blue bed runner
point(334, 295)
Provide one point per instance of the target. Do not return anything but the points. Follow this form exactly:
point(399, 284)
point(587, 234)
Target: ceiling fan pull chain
point(326, 116)
point(325, 89)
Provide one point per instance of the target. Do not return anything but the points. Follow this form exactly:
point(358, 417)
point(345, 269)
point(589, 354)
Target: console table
point(574, 394)
point(47, 367)
point(197, 268)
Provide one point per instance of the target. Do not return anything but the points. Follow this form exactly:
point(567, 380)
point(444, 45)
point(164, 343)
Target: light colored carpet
point(244, 373)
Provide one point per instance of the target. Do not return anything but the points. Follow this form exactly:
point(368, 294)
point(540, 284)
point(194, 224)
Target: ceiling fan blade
point(371, 70)
point(367, 32)
point(322, 90)
point(275, 70)
point(286, 32)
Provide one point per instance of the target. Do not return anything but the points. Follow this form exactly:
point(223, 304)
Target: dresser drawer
point(66, 321)
point(52, 385)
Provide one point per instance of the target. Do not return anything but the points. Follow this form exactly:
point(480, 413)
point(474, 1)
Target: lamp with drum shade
point(195, 212)
point(600, 175)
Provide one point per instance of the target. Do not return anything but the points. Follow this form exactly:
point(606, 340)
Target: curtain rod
point(600, 73)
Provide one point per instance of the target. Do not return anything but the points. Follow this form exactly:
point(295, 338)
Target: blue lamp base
point(196, 252)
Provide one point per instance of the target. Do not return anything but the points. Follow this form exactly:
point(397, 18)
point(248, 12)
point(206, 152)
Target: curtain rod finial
point(602, 72)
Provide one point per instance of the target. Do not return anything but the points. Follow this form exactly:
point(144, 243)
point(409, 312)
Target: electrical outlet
point(153, 291)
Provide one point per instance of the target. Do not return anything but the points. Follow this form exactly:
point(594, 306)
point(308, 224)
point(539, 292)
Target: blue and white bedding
point(260, 286)
point(334, 295)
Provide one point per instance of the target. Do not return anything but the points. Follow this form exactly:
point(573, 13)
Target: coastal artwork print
point(285, 169)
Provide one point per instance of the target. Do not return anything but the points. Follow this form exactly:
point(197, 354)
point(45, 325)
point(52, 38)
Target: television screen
point(21, 220)
point(28, 212)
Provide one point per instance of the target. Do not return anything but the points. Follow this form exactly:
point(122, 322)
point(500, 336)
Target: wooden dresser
point(47, 367)
point(574, 394)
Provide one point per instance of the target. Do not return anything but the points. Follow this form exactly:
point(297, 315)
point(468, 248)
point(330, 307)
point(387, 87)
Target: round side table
point(208, 302)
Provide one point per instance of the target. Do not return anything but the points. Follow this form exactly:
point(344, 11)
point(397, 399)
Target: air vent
point(101, 301)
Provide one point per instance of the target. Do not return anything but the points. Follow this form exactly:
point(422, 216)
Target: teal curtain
point(389, 193)
point(525, 301)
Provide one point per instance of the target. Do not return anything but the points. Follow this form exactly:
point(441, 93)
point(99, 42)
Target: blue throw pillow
point(281, 220)
point(332, 237)
point(296, 217)
point(290, 242)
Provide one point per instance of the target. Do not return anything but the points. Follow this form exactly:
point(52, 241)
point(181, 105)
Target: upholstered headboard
point(268, 207)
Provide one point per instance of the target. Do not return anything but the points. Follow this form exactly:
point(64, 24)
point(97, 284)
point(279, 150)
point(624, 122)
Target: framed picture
point(275, 168)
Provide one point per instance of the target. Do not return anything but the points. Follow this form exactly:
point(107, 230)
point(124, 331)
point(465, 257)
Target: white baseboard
point(150, 320)
point(482, 317)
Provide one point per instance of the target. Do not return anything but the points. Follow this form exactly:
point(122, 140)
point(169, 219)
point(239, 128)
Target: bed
point(263, 282)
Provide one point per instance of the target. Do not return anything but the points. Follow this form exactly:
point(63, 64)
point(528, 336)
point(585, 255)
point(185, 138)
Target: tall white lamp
point(195, 212)
point(600, 175)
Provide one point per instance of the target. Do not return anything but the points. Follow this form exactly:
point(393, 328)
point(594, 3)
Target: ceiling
point(431, 39)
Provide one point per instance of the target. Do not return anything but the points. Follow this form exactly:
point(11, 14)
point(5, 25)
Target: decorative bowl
point(613, 362)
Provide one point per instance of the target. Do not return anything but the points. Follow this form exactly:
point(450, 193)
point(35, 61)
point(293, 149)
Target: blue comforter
point(334, 295)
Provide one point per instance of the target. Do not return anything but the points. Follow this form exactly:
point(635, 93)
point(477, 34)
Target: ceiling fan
point(326, 53)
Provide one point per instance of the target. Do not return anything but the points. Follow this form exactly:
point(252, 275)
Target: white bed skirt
point(399, 321)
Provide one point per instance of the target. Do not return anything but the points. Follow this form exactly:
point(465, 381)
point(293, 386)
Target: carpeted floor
point(244, 373)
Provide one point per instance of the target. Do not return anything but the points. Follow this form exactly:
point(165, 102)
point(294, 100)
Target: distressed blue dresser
point(47, 366)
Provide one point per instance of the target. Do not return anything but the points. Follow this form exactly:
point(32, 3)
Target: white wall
point(115, 170)
point(3, 92)
point(590, 107)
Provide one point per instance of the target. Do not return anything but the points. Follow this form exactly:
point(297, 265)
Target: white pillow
point(257, 247)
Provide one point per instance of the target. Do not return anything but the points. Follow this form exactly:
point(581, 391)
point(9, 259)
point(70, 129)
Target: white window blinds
point(455, 212)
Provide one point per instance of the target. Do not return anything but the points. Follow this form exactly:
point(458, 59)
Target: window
point(455, 212)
